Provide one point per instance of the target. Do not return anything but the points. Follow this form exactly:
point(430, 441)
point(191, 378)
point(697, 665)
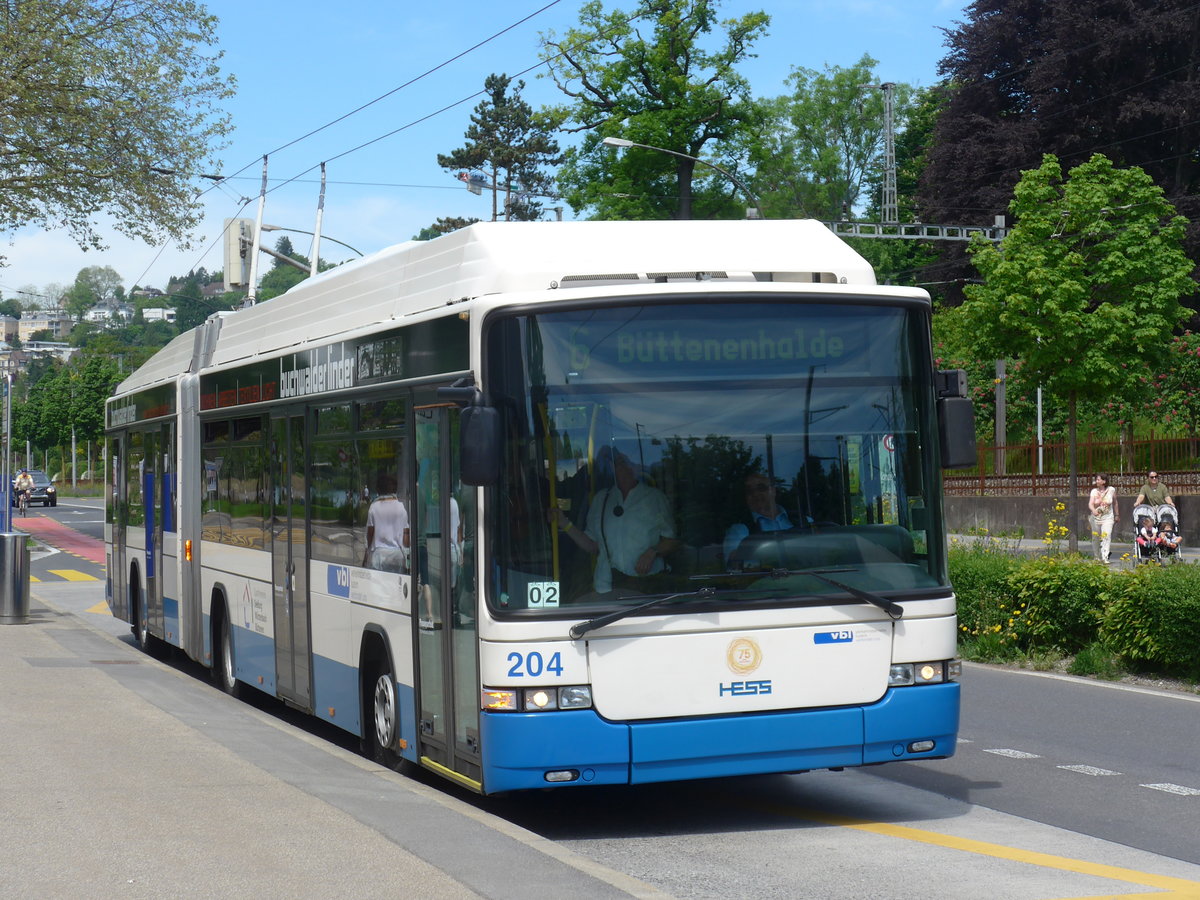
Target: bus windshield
point(745, 446)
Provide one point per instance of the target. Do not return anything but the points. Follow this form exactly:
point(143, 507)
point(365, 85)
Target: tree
point(663, 88)
point(1024, 77)
point(817, 146)
point(1089, 277)
point(511, 144)
point(442, 226)
point(109, 106)
point(94, 285)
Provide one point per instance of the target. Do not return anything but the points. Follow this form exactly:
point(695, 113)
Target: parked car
point(43, 492)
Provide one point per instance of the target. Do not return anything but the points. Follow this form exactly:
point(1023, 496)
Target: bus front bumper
point(577, 747)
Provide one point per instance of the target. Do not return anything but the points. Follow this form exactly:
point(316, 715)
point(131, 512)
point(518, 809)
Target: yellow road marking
point(72, 575)
point(1179, 887)
point(100, 608)
point(34, 579)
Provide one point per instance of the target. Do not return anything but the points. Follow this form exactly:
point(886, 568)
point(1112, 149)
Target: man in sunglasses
point(629, 529)
point(1153, 492)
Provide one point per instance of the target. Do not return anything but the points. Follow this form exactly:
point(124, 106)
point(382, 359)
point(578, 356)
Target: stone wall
point(1008, 514)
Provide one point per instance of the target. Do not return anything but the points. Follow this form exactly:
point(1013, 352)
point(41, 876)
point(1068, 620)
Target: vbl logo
point(339, 581)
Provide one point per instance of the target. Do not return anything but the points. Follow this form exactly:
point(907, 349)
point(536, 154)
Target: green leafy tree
point(818, 145)
point(653, 77)
point(190, 306)
point(110, 106)
point(1090, 276)
point(511, 145)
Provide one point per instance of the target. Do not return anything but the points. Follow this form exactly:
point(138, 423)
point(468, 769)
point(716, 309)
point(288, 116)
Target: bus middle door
point(289, 562)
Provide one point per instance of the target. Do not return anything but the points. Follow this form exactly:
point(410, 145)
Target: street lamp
point(611, 141)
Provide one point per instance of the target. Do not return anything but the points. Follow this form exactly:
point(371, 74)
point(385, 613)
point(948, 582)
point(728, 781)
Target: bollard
point(14, 579)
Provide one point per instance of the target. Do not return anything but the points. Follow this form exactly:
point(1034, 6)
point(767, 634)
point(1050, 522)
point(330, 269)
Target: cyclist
point(24, 488)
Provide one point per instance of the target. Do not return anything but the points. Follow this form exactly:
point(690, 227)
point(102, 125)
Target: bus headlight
point(574, 696)
point(577, 696)
point(539, 699)
point(937, 672)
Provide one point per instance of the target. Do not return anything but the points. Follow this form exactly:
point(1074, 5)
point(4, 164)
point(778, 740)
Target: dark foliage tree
point(1026, 77)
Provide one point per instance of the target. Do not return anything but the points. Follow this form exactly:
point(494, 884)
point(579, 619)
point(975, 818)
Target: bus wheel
point(382, 727)
point(147, 642)
point(223, 667)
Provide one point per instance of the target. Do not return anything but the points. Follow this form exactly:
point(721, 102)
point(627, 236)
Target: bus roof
point(490, 258)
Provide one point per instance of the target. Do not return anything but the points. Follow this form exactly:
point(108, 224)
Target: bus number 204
point(533, 664)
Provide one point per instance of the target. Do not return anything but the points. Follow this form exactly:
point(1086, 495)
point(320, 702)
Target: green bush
point(1058, 601)
point(1154, 617)
point(978, 572)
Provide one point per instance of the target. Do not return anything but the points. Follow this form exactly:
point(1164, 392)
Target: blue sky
point(303, 64)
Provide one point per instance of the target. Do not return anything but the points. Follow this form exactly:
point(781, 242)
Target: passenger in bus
point(629, 530)
point(764, 515)
point(387, 529)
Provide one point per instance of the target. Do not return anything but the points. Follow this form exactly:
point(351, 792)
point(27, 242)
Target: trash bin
point(14, 579)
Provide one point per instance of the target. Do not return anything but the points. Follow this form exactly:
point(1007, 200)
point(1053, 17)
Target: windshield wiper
point(894, 610)
point(578, 631)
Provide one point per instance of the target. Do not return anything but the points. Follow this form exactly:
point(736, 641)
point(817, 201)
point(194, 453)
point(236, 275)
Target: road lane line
point(72, 575)
point(1013, 754)
point(1089, 770)
point(1180, 887)
point(1173, 789)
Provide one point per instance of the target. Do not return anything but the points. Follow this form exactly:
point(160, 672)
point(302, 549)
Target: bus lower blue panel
point(254, 659)
point(746, 745)
point(335, 694)
point(928, 712)
point(520, 748)
point(171, 620)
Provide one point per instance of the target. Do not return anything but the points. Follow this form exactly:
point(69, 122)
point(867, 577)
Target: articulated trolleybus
point(539, 504)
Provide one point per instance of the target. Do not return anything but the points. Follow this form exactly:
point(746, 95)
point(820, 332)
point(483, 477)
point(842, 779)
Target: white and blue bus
point(528, 396)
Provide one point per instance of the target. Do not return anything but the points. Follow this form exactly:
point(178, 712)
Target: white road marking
point(1174, 789)
point(1089, 770)
point(1014, 754)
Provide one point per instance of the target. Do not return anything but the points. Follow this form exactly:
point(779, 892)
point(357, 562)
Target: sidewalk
point(1120, 553)
point(124, 776)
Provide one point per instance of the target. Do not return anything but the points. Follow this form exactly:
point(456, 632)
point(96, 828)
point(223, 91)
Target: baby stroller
point(1168, 534)
point(1145, 533)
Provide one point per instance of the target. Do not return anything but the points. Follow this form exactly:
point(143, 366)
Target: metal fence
point(1030, 469)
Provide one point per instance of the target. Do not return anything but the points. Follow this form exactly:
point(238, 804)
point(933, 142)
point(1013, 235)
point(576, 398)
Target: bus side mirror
point(479, 445)
point(956, 428)
point(956, 419)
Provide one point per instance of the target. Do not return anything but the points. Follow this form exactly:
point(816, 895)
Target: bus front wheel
point(223, 666)
point(381, 724)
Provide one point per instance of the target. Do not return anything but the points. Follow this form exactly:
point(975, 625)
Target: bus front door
point(117, 514)
point(293, 680)
point(447, 643)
